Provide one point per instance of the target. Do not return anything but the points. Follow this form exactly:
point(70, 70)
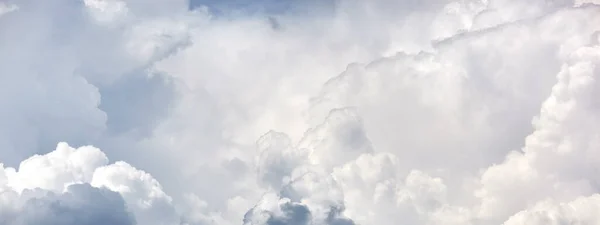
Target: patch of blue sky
point(261, 7)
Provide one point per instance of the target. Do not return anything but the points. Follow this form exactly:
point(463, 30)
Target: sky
point(260, 7)
point(345, 112)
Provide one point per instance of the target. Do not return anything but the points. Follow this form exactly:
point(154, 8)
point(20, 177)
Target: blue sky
point(268, 7)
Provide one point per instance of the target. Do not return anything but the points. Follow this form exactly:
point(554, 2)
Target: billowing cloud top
point(348, 112)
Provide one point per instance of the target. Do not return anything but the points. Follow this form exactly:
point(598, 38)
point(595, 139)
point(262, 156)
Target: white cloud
point(57, 169)
point(74, 178)
point(374, 112)
point(5, 8)
point(106, 11)
point(558, 157)
point(143, 194)
point(579, 211)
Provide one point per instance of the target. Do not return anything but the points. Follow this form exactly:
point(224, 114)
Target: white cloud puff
point(81, 181)
point(559, 156)
point(579, 211)
point(355, 112)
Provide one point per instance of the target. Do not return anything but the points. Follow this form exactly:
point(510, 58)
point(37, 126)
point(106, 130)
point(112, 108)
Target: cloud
point(339, 113)
point(64, 95)
point(140, 190)
point(578, 211)
point(558, 154)
point(471, 94)
point(5, 8)
point(77, 185)
point(80, 204)
point(309, 199)
point(55, 170)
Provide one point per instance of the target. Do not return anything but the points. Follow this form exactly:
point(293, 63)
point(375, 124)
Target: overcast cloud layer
point(347, 112)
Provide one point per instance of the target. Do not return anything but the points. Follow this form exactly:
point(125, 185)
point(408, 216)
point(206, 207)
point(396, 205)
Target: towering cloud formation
point(352, 112)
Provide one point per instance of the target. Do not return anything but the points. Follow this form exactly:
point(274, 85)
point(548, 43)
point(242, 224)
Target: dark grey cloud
point(81, 204)
point(334, 216)
point(295, 213)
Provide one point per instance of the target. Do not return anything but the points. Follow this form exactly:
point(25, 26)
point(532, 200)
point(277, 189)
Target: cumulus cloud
point(579, 211)
point(77, 185)
point(336, 112)
point(560, 151)
point(312, 198)
point(80, 204)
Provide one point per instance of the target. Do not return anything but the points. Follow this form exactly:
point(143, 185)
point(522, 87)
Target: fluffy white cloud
point(57, 169)
point(80, 183)
point(362, 112)
point(559, 157)
point(579, 211)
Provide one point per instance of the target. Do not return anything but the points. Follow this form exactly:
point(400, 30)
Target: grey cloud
point(312, 197)
point(295, 213)
point(135, 104)
point(64, 75)
point(62, 178)
point(277, 158)
point(81, 204)
point(334, 217)
point(338, 139)
point(298, 214)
